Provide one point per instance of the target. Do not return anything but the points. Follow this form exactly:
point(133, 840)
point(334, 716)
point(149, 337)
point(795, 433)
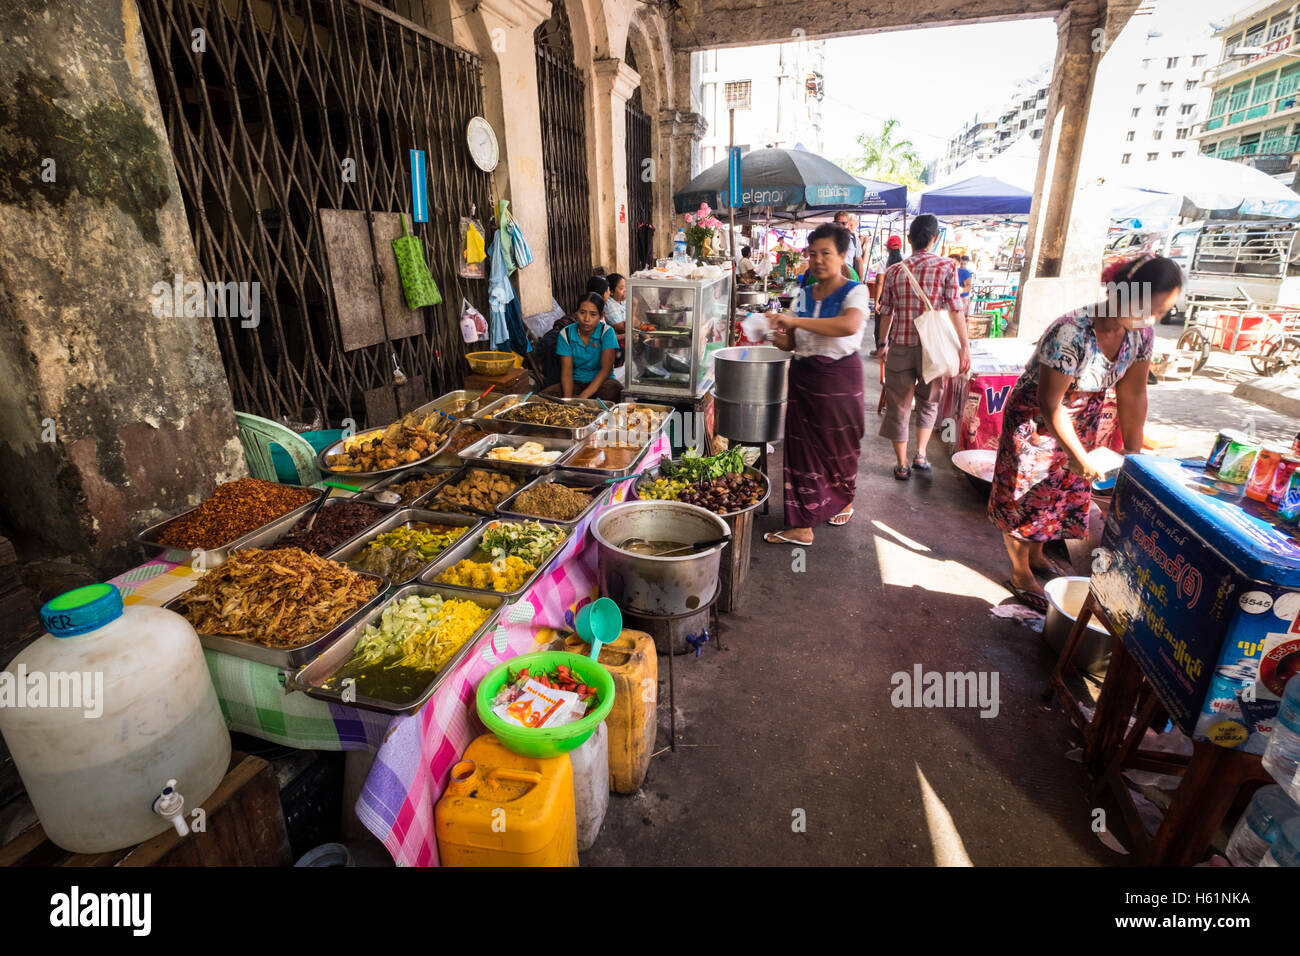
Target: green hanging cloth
point(503, 226)
point(417, 282)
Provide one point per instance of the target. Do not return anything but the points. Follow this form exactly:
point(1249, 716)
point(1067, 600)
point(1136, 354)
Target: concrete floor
point(795, 714)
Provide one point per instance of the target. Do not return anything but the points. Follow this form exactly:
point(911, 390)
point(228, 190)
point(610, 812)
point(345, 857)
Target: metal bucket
point(753, 424)
point(1064, 595)
point(645, 584)
point(750, 375)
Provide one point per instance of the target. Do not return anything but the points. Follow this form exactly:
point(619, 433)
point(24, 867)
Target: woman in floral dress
point(1043, 477)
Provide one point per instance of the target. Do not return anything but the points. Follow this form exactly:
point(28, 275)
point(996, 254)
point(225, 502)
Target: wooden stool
point(515, 381)
point(1212, 779)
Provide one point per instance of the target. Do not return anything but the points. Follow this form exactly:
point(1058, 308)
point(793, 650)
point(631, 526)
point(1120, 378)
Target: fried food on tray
point(398, 444)
point(281, 598)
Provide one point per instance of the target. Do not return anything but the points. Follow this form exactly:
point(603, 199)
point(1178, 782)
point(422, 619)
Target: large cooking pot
point(646, 584)
point(752, 424)
point(750, 374)
point(751, 300)
point(1065, 597)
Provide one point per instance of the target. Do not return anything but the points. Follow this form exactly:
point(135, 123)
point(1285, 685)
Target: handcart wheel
point(1194, 341)
point(1279, 357)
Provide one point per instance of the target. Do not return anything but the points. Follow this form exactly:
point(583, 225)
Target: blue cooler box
point(1203, 585)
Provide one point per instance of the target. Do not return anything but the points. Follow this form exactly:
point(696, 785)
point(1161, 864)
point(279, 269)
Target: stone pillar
point(510, 70)
point(110, 416)
point(1094, 59)
point(614, 83)
point(683, 132)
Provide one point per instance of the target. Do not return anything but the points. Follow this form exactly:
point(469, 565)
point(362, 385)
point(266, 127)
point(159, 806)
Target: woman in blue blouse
point(586, 350)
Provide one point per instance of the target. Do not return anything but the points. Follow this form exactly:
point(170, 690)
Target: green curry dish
point(532, 541)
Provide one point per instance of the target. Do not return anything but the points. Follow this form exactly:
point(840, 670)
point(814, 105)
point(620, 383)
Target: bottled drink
point(1258, 827)
point(1286, 848)
point(679, 244)
point(1282, 756)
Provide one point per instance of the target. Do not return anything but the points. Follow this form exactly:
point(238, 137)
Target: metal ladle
point(698, 545)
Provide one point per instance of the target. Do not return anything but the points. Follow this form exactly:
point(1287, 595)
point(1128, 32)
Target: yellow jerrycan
point(632, 662)
point(502, 809)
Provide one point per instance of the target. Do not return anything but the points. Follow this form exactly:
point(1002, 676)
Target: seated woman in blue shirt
point(586, 350)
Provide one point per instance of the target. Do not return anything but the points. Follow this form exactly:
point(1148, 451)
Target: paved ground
point(795, 714)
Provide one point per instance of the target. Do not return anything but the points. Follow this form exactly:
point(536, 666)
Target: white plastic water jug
point(591, 785)
point(103, 712)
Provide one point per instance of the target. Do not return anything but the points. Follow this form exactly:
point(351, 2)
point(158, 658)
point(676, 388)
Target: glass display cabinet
point(673, 327)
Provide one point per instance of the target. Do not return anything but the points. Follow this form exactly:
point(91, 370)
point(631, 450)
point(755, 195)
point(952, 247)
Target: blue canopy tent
point(976, 196)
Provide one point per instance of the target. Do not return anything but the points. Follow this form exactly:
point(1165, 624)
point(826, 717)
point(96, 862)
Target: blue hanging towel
point(523, 252)
point(500, 294)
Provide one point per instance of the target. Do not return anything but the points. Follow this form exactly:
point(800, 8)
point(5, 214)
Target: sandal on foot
point(1030, 599)
point(1052, 569)
point(921, 463)
point(902, 472)
point(780, 537)
point(842, 518)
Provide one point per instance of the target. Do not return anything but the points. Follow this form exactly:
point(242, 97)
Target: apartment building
point(1169, 97)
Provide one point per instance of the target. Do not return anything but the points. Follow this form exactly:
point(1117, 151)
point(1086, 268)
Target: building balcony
point(1234, 65)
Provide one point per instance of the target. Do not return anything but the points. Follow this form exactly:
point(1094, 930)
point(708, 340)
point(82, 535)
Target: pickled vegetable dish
point(400, 554)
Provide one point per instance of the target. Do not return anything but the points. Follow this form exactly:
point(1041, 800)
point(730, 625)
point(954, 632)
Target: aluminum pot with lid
point(650, 584)
point(750, 375)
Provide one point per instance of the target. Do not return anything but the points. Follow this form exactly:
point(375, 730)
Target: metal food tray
point(332, 503)
point(337, 448)
point(404, 516)
point(468, 546)
point(213, 557)
point(607, 436)
point(477, 452)
point(498, 404)
point(287, 658)
point(442, 471)
point(558, 431)
point(580, 480)
point(750, 470)
point(310, 677)
point(625, 408)
point(510, 471)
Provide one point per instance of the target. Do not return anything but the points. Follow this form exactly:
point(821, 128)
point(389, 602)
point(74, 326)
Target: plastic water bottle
point(1282, 756)
point(679, 244)
point(1286, 848)
point(1258, 827)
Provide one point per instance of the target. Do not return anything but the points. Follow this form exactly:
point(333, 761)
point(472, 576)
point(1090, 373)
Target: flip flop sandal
point(1030, 599)
point(840, 520)
point(779, 537)
point(902, 472)
point(1055, 569)
point(921, 464)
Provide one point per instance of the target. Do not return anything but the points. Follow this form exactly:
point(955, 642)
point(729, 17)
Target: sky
point(963, 69)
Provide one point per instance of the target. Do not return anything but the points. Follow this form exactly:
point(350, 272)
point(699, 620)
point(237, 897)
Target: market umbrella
point(779, 178)
point(1206, 187)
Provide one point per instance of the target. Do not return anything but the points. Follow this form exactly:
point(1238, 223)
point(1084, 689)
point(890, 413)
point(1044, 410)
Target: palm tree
point(881, 156)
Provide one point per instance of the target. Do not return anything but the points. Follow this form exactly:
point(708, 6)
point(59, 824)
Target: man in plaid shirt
point(900, 306)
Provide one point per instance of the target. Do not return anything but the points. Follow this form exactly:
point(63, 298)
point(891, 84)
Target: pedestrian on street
point(825, 417)
point(854, 258)
point(895, 246)
point(911, 288)
point(1042, 482)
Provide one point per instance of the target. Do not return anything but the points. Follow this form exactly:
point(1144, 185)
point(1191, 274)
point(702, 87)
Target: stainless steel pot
point(646, 584)
point(751, 300)
point(1064, 597)
point(749, 423)
point(750, 375)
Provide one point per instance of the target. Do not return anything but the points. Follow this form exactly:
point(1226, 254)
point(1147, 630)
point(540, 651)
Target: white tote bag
point(940, 346)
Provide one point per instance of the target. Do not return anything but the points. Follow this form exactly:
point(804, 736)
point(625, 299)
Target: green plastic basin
point(543, 741)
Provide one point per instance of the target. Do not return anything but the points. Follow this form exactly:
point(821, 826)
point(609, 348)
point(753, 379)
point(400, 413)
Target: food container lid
point(82, 610)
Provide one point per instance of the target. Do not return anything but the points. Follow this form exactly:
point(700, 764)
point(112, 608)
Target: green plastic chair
point(256, 435)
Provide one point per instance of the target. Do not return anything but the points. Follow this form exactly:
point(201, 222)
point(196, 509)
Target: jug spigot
point(171, 805)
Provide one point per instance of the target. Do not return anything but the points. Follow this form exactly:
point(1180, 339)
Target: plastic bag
point(473, 326)
point(473, 255)
point(417, 283)
point(940, 346)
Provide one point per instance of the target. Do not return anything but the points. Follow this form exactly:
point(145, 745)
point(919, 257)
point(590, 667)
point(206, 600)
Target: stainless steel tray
point(618, 418)
point(399, 518)
point(556, 431)
point(332, 503)
point(288, 658)
point(213, 557)
point(485, 426)
point(468, 547)
point(442, 471)
point(514, 472)
point(606, 436)
point(477, 453)
point(337, 448)
point(310, 677)
point(582, 481)
point(749, 470)
point(495, 406)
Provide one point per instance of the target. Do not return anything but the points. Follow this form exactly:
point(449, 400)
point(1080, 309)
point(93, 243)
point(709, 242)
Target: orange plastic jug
point(501, 809)
point(632, 661)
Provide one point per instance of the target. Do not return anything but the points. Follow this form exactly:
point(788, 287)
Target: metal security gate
point(291, 107)
point(560, 93)
point(640, 200)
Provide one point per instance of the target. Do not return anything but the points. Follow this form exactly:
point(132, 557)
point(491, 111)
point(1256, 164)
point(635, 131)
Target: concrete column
point(111, 417)
point(1094, 58)
point(613, 84)
point(510, 72)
